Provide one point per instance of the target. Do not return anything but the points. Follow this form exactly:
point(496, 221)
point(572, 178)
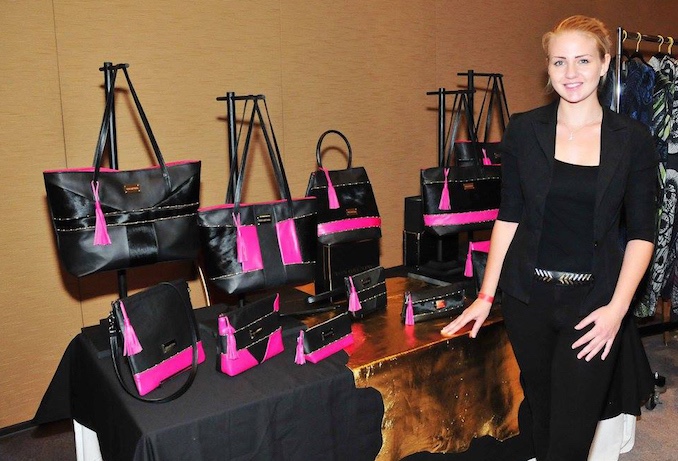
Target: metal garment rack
point(622, 36)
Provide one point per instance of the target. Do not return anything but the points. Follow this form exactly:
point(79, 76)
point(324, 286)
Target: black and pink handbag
point(156, 331)
point(249, 335)
point(324, 339)
point(347, 208)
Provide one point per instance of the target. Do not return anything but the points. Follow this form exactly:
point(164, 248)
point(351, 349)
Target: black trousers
point(566, 395)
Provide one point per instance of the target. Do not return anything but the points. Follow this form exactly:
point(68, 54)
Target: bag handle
point(117, 359)
point(495, 86)
point(105, 124)
point(460, 108)
point(320, 141)
point(273, 151)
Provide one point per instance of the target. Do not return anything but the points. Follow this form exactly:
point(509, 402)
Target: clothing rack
point(622, 36)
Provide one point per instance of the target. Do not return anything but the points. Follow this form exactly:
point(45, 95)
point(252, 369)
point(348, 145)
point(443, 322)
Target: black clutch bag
point(432, 303)
point(324, 339)
point(366, 292)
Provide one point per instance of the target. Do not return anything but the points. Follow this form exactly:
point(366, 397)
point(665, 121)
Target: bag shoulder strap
point(117, 356)
point(318, 152)
point(460, 109)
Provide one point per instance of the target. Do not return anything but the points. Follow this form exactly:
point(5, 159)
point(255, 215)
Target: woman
point(571, 171)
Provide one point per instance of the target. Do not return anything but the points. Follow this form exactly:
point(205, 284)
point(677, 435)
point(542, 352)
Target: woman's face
point(575, 66)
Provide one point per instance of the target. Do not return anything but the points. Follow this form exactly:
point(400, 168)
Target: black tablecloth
point(277, 410)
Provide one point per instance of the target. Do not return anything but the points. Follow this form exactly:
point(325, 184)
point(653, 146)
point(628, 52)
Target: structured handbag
point(324, 339)
point(249, 335)
point(366, 292)
point(482, 246)
point(461, 197)
point(494, 105)
point(159, 337)
point(432, 303)
point(251, 246)
point(347, 208)
point(107, 219)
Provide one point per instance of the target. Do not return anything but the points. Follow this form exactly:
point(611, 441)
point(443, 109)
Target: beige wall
point(360, 67)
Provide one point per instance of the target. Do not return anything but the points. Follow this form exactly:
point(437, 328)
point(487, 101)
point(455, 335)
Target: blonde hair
point(590, 26)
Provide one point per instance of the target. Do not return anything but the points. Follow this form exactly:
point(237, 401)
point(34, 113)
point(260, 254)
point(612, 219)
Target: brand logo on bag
point(440, 303)
point(367, 280)
point(469, 186)
point(254, 333)
point(132, 188)
point(324, 335)
point(264, 219)
point(168, 346)
point(350, 212)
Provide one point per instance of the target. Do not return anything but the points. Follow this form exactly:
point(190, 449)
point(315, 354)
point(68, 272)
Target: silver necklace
point(572, 132)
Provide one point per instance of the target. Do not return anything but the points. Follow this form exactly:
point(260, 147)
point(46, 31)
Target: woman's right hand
point(477, 312)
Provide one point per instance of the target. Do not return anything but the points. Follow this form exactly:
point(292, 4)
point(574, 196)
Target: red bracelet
point(484, 297)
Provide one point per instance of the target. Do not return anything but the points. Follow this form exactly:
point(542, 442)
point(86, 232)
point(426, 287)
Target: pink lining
point(332, 348)
point(150, 379)
point(347, 225)
point(288, 242)
point(246, 360)
point(453, 219)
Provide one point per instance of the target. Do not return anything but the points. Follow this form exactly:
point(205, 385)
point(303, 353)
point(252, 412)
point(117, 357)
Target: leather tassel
point(241, 247)
point(100, 230)
point(231, 346)
point(130, 341)
point(353, 299)
point(486, 159)
point(331, 193)
point(299, 357)
point(445, 196)
point(409, 310)
point(468, 266)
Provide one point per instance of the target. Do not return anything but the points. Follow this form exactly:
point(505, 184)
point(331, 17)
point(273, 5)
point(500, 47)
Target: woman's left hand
point(606, 322)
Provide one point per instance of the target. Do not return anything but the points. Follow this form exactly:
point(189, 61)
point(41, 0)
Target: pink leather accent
point(333, 348)
point(486, 159)
point(444, 203)
point(347, 225)
point(331, 193)
point(100, 230)
point(299, 357)
point(287, 241)
point(482, 245)
point(276, 303)
point(246, 360)
point(353, 299)
point(453, 219)
point(247, 246)
point(409, 310)
point(149, 379)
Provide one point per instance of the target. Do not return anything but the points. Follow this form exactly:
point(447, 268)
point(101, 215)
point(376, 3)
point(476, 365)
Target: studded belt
point(562, 278)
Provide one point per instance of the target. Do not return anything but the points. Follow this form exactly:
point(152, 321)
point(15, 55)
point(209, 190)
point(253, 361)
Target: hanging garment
point(636, 96)
point(663, 255)
point(668, 66)
point(662, 106)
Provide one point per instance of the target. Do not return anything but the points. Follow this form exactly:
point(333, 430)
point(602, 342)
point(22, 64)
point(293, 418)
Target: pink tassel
point(100, 231)
point(331, 193)
point(409, 311)
point(231, 346)
point(130, 341)
point(486, 159)
point(445, 196)
point(299, 357)
point(353, 299)
point(241, 247)
point(468, 267)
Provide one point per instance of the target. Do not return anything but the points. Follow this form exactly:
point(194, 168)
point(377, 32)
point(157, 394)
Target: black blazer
point(627, 184)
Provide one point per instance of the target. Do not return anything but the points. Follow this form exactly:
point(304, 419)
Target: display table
point(277, 411)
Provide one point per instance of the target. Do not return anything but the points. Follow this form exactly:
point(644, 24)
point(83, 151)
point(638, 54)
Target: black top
point(567, 238)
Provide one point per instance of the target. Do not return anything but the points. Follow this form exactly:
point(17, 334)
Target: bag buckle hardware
point(264, 219)
point(327, 334)
point(132, 188)
point(469, 186)
point(168, 346)
point(254, 333)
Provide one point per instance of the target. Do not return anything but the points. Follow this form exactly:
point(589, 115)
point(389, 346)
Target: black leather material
point(218, 232)
point(370, 286)
point(150, 213)
point(327, 332)
point(164, 322)
point(354, 193)
point(435, 303)
point(253, 323)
